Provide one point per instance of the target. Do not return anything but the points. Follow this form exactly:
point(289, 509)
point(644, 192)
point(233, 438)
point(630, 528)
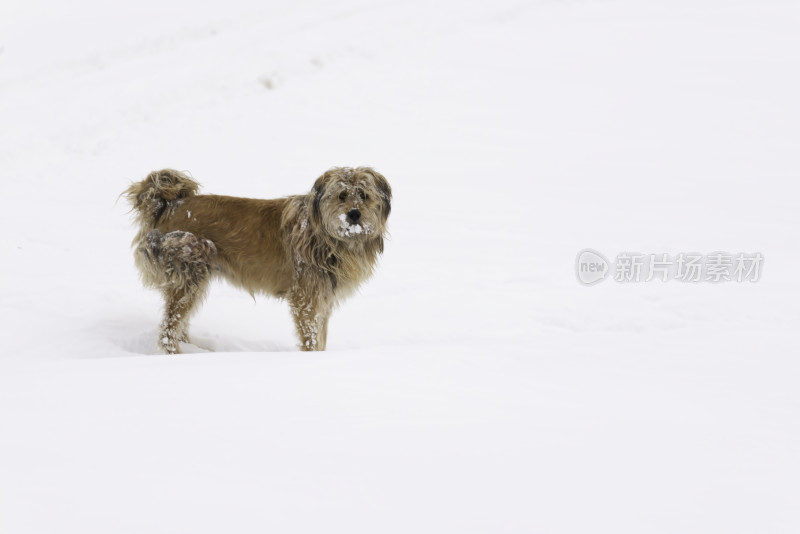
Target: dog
point(312, 250)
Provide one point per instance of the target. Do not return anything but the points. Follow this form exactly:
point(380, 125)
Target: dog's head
point(351, 205)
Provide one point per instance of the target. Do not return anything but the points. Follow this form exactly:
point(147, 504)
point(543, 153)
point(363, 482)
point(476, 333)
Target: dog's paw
point(169, 345)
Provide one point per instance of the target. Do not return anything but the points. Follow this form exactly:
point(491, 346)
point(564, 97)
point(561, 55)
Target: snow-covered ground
point(474, 385)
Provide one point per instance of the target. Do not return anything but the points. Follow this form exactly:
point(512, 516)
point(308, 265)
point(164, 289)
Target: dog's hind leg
point(180, 265)
point(179, 303)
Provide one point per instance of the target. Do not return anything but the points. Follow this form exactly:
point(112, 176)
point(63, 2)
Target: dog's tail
point(153, 195)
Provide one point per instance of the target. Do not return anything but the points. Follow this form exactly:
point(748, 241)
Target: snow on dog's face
point(351, 205)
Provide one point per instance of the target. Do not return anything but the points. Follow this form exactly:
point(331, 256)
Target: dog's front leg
point(322, 337)
point(311, 320)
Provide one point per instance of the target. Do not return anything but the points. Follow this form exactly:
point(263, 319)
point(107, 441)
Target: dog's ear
point(317, 192)
point(383, 187)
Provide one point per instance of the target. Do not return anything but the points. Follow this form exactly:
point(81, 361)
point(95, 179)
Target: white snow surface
point(473, 385)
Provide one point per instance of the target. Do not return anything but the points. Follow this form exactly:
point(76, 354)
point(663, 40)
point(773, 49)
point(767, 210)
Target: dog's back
point(245, 232)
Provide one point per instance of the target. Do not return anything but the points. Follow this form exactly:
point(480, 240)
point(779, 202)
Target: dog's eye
point(343, 195)
point(363, 195)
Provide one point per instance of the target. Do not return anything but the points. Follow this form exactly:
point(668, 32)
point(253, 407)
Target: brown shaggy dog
point(312, 250)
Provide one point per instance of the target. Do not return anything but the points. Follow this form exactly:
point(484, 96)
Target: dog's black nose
point(354, 216)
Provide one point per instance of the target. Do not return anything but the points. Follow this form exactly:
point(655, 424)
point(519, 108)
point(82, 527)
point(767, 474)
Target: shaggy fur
point(313, 250)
